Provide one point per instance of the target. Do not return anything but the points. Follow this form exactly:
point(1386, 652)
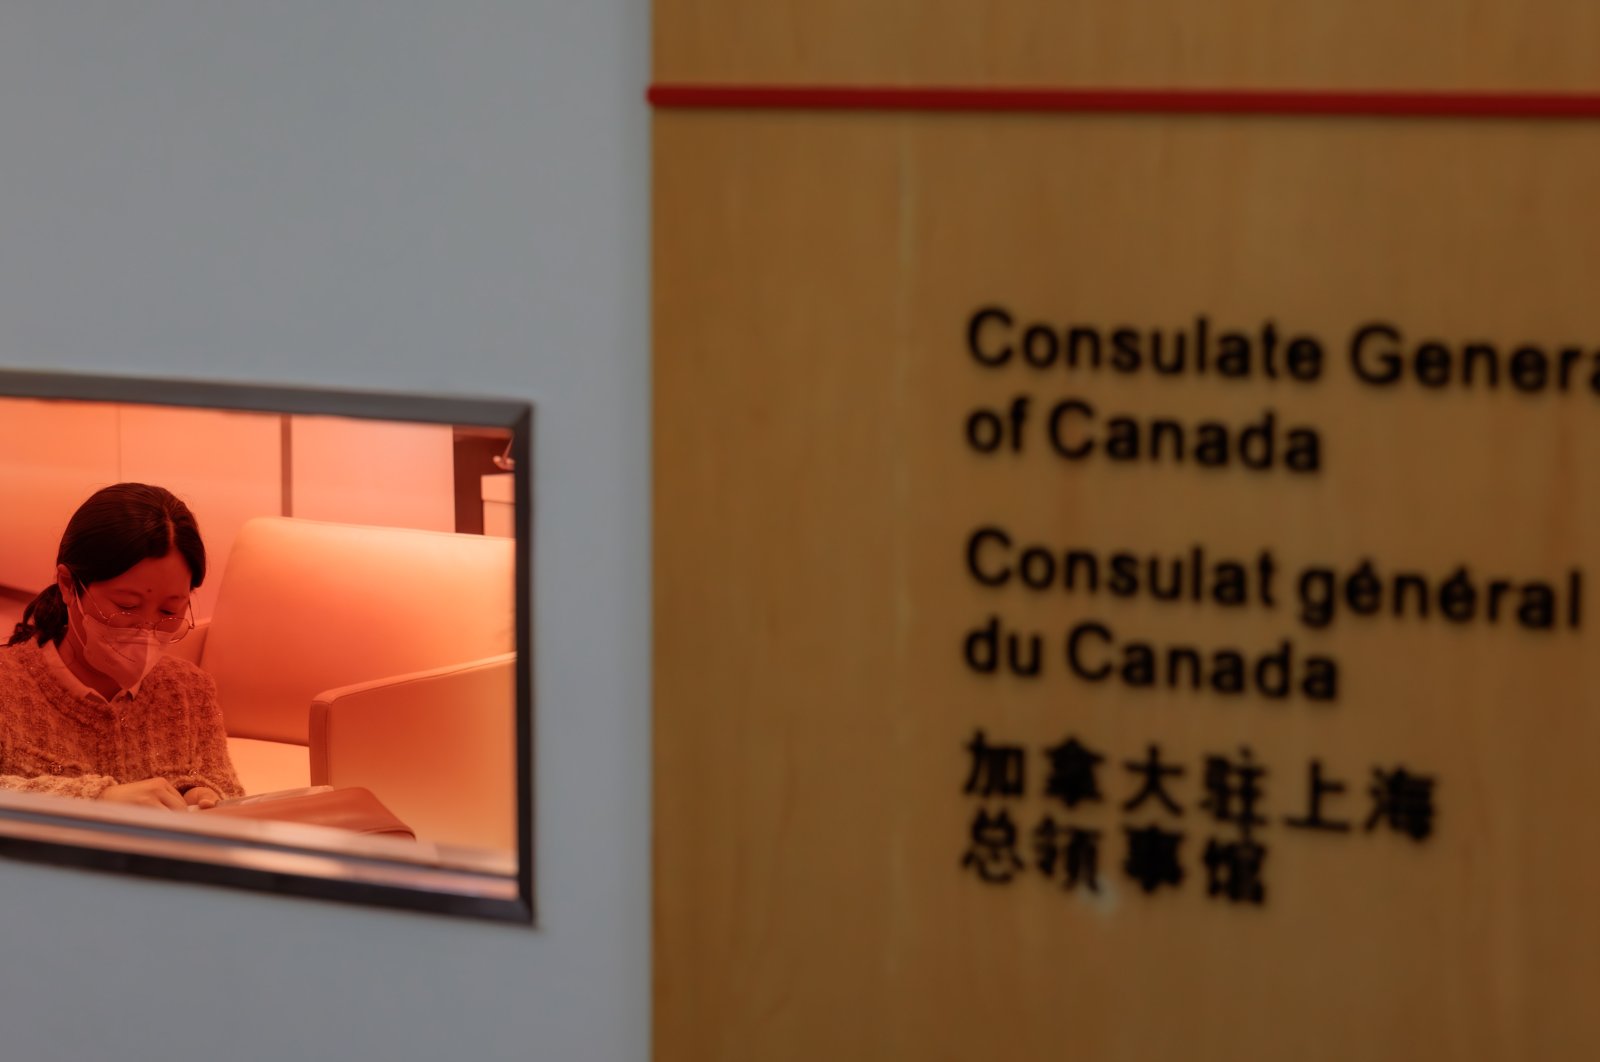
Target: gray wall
point(412, 195)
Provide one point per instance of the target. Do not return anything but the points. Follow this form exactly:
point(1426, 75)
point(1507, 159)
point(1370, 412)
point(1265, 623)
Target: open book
point(279, 794)
point(344, 808)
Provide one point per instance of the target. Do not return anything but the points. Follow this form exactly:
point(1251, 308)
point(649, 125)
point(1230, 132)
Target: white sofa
point(374, 656)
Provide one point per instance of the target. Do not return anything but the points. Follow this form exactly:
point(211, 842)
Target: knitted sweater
point(52, 741)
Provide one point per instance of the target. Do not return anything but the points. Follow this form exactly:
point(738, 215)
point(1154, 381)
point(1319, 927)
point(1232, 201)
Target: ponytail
point(44, 620)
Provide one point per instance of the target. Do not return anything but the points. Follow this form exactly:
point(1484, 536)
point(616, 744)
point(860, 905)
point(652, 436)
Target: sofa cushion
point(268, 766)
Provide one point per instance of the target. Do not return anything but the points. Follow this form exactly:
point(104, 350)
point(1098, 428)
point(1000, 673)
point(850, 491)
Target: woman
point(89, 705)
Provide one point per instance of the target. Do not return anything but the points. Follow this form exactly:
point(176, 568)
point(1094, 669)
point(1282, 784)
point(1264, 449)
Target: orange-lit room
point(357, 614)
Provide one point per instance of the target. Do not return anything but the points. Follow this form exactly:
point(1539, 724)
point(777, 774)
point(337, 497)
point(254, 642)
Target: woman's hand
point(201, 797)
point(152, 792)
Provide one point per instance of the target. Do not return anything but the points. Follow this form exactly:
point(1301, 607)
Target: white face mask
point(125, 656)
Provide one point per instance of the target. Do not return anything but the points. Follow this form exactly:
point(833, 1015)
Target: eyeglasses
point(167, 629)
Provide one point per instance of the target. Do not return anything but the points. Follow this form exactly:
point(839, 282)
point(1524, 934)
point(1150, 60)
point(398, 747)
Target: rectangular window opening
point(360, 643)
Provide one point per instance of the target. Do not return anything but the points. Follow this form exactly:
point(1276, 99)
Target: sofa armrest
point(438, 747)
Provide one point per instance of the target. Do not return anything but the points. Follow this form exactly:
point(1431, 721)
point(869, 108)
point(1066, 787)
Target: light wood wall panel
point(372, 472)
point(1540, 44)
point(57, 454)
point(815, 275)
point(814, 496)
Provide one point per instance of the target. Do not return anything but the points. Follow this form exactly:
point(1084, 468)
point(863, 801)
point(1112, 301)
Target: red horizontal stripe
point(1132, 101)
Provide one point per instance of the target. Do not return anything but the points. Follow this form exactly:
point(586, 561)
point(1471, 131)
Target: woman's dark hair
point(118, 527)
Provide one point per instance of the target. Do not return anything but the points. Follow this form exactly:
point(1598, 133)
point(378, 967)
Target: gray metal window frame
point(258, 856)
